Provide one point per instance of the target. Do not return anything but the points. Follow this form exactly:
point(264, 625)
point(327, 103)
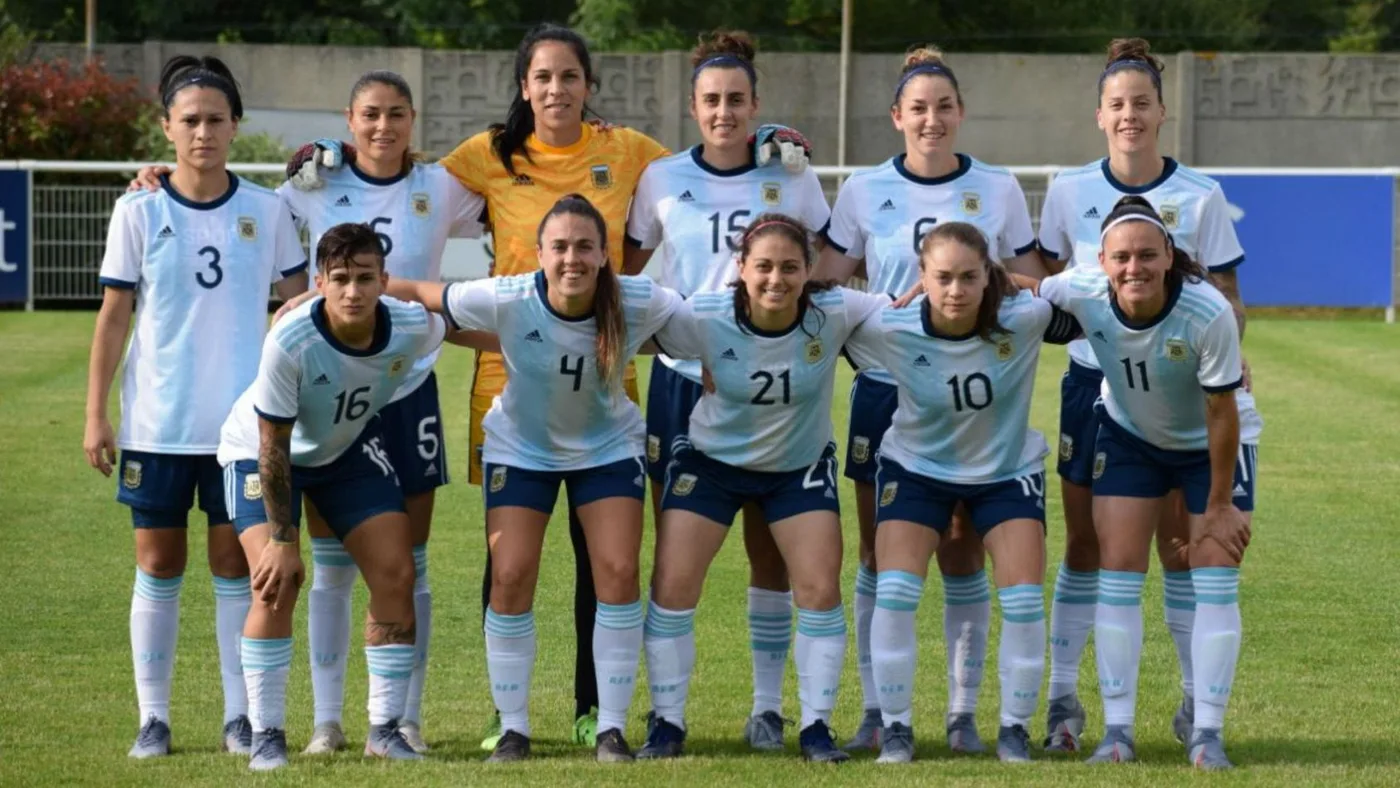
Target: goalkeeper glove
point(304, 168)
point(786, 144)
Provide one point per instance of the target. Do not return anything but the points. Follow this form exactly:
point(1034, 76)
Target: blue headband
point(932, 69)
point(1134, 64)
point(722, 61)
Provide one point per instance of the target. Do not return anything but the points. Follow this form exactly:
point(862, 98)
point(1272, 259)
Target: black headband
point(202, 77)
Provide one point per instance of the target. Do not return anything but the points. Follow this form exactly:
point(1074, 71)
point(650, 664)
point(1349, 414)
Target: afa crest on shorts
point(1100, 462)
point(247, 228)
point(888, 492)
point(813, 352)
point(860, 449)
point(1066, 447)
point(1176, 349)
point(971, 203)
point(498, 478)
point(422, 206)
point(252, 487)
point(772, 193)
point(684, 485)
point(653, 448)
point(131, 474)
point(602, 176)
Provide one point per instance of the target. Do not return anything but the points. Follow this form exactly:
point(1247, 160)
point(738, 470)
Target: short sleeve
point(679, 338)
point(812, 208)
point(865, 345)
point(1016, 237)
point(467, 162)
point(297, 202)
point(1217, 244)
point(470, 306)
point(643, 223)
point(860, 306)
point(286, 246)
point(1054, 238)
point(664, 303)
point(1057, 289)
point(126, 243)
point(436, 333)
point(646, 150)
point(276, 390)
point(467, 209)
point(843, 232)
point(1221, 369)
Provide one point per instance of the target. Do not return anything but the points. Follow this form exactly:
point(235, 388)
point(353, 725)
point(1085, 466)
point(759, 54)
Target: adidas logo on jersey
point(1100, 337)
point(343, 202)
point(1092, 213)
point(534, 336)
point(921, 361)
point(887, 205)
point(685, 197)
point(321, 380)
point(522, 180)
point(166, 232)
point(729, 355)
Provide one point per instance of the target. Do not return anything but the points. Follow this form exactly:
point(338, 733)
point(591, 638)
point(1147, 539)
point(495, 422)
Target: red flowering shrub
point(59, 110)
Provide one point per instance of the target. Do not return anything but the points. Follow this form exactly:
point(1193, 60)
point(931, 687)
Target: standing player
point(1169, 348)
point(566, 333)
point(964, 361)
point(1194, 211)
point(195, 258)
point(880, 217)
point(693, 206)
point(763, 436)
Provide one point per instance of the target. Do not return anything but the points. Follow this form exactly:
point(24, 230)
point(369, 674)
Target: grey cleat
point(1014, 744)
point(868, 734)
point(1064, 723)
point(238, 736)
point(764, 731)
point(1207, 751)
point(326, 738)
point(962, 734)
point(1185, 719)
point(512, 746)
point(896, 744)
point(612, 747)
point(1116, 747)
point(413, 734)
point(269, 750)
point(387, 741)
point(817, 745)
point(152, 741)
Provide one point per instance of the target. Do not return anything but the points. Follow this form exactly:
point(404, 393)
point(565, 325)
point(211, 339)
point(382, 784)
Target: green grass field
point(1317, 696)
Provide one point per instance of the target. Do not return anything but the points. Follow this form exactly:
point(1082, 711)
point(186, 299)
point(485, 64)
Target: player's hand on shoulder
point(599, 124)
point(148, 178)
point(304, 168)
point(100, 445)
point(785, 144)
point(909, 296)
point(293, 303)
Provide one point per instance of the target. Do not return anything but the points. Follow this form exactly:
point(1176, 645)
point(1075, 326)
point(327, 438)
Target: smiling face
point(571, 253)
point(381, 122)
point(723, 104)
point(1130, 113)
point(774, 273)
point(929, 115)
point(200, 124)
point(954, 277)
point(1136, 258)
point(556, 87)
point(352, 288)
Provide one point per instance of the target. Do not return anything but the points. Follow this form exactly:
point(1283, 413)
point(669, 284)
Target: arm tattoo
point(275, 471)
point(388, 633)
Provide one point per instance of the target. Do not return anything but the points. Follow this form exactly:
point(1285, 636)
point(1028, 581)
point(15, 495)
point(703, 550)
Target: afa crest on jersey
point(247, 228)
point(860, 449)
point(1176, 349)
point(1004, 349)
point(772, 193)
point(888, 492)
point(685, 484)
point(653, 448)
point(396, 366)
point(971, 203)
point(498, 478)
point(131, 474)
point(602, 176)
point(814, 351)
point(1171, 215)
point(252, 487)
point(422, 206)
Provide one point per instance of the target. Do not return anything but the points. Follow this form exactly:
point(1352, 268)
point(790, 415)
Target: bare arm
point(1223, 523)
point(1228, 283)
point(1028, 264)
point(290, 287)
point(476, 340)
point(834, 265)
point(113, 322)
point(429, 294)
point(275, 473)
point(634, 259)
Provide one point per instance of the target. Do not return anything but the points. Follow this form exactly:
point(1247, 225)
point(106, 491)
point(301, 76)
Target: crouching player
point(309, 426)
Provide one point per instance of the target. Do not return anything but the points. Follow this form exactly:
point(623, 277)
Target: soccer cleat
point(896, 744)
point(1063, 724)
point(586, 729)
point(962, 734)
point(326, 738)
point(817, 745)
point(269, 750)
point(238, 736)
point(1116, 747)
point(612, 748)
point(513, 746)
point(152, 741)
point(413, 734)
point(1014, 744)
point(764, 731)
point(387, 741)
point(868, 734)
point(1207, 751)
point(491, 736)
point(664, 740)
point(1185, 719)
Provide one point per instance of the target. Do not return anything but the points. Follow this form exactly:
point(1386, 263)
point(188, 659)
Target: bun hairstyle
point(1134, 208)
point(183, 71)
point(1132, 54)
point(999, 285)
point(724, 49)
point(398, 83)
point(508, 138)
point(925, 60)
point(607, 298)
point(794, 230)
point(343, 242)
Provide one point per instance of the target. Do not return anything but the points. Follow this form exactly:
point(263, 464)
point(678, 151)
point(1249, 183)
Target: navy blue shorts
point(507, 485)
point(905, 495)
point(710, 488)
point(872, 410)
point(1128, 466)
point(413, 439)
point(671, 397)
point(1079, 423)
point(160, 488)
point(359, 485)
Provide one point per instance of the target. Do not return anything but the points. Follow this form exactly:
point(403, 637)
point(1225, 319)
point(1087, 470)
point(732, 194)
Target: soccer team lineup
point(324, 424)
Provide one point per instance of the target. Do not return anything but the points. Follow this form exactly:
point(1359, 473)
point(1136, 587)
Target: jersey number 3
point(213, 262)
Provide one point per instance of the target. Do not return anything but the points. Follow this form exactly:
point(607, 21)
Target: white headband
point(1134, 217)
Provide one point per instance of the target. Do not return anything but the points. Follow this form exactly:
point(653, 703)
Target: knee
point(165, 563)
point(616, 580)
point(1175, 555)
point(228, 563)
point(395, 580)
point(511, 580)
point(816, 594)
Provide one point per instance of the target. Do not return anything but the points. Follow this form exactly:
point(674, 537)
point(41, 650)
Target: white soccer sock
point(866, 591)
point(967, 615)
point(820, 655)
point(669, 639)
point(389, 670)
point(510, 661)
point(233, 596)
point(617, 647)
point(1021, 658)
point(1118, 644)
point(893, 644)
point(770, 637)
point(423, 627)
point(266, 665)
point(1071, 620)
point(328, 624)
point(1179, 608)
point(1215, 644)
point(155, 629)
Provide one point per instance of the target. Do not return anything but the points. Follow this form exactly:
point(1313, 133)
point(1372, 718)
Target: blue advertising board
point(1314, 240)
point(15, 248)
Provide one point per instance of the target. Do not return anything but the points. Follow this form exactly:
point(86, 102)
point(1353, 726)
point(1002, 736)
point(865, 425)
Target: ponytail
point(508, 139)
point(999, 285)
point(607, 297)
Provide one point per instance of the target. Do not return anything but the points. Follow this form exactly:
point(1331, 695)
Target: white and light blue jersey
point(413, 213)
point(882, 215)
point(202, 273)
point(964, 402)
point(555, 413)
point(1156, 375)
point(695, 215)
point(771, 408)
point(329, 390)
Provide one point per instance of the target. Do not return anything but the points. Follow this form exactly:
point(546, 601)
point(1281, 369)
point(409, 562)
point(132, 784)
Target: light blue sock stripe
point(158, 589)
point(620, 616)
point(232, 587)
point(668, 624)
point(1073, 577)
point(866, 581)
point(1023, 604)
point(1178, 592)
point(1216, 585)
point(330, 552)
point(1121, 589)
point(1076, 588)
point(966, 589)
point(822, 623)
point(784, 618)
point(391, 662)
point(266, 653)
point(503, 626)
point(420, 561)
point(775, 646)
point(899, 591)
